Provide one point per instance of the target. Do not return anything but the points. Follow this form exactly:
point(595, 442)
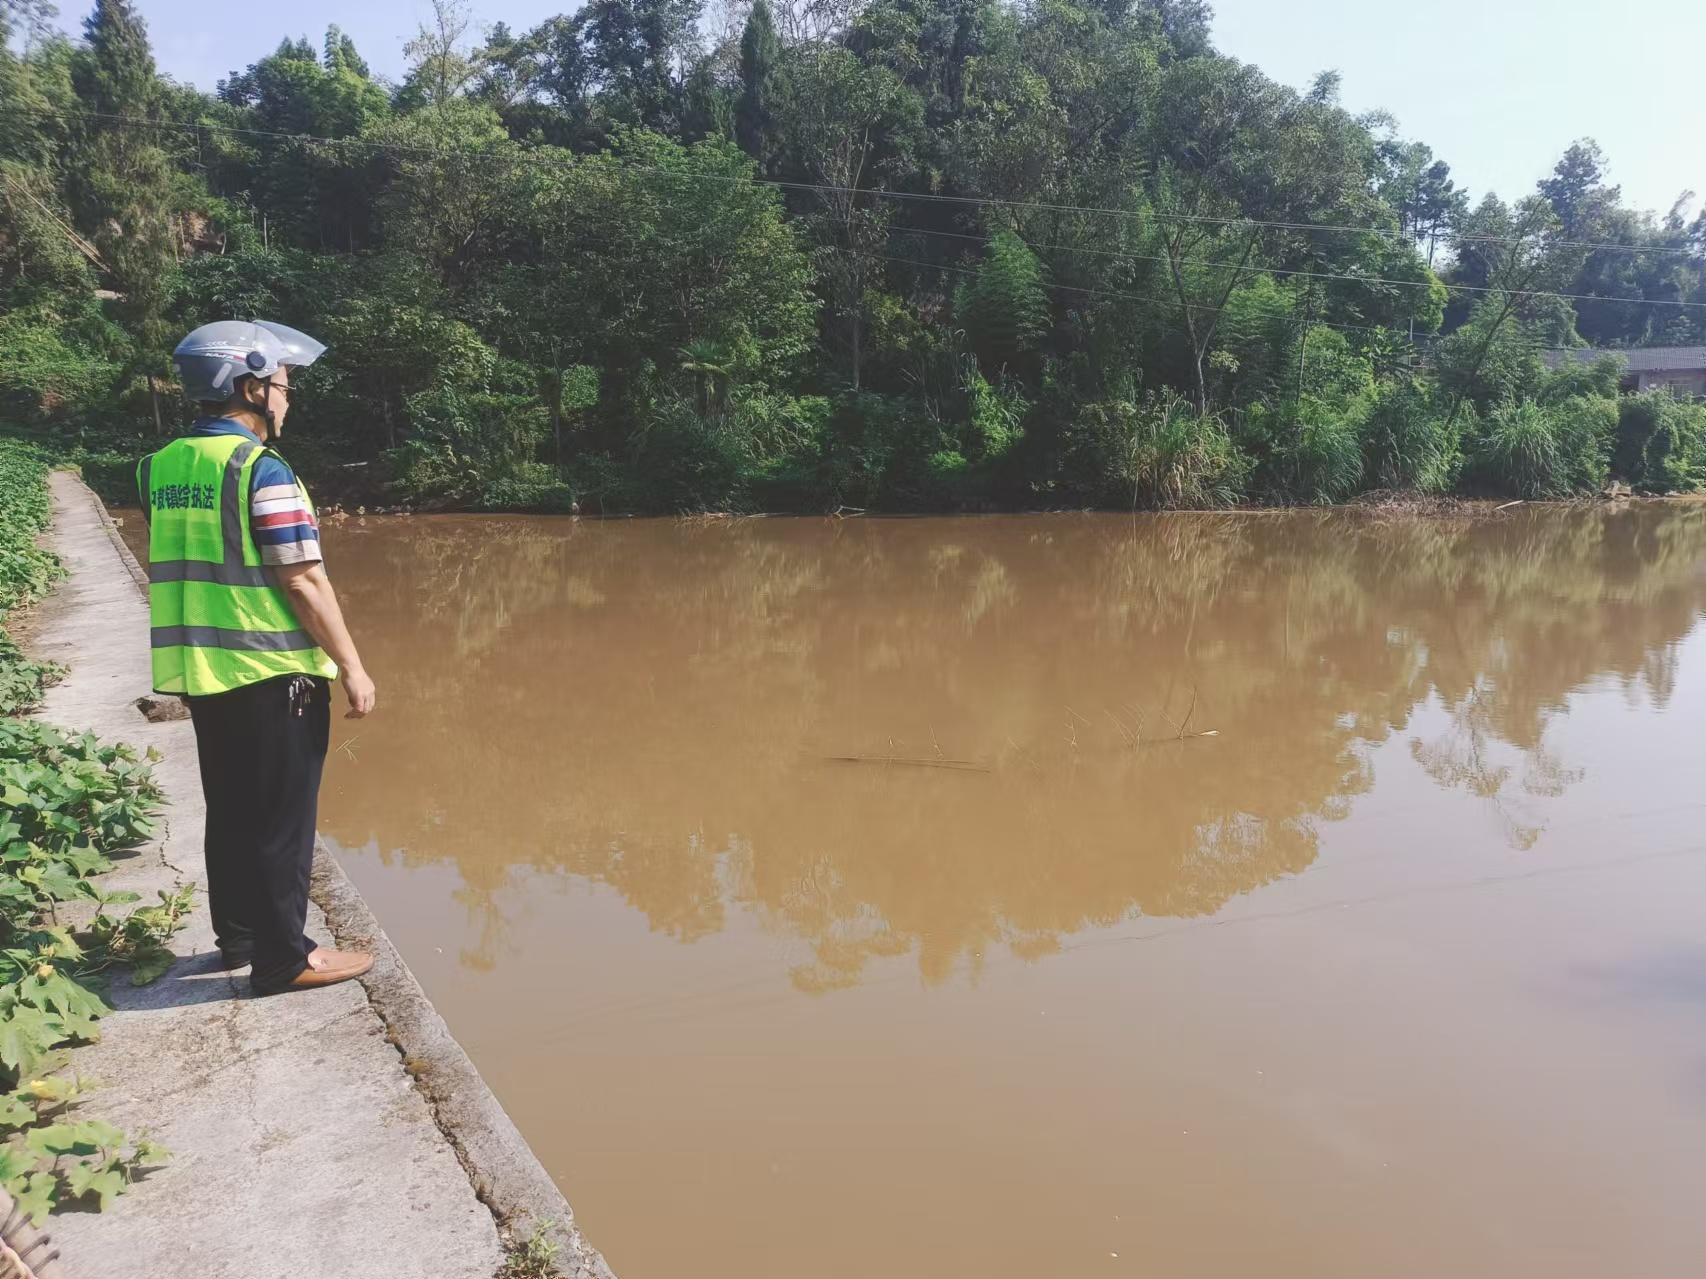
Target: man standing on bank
point(246, 627)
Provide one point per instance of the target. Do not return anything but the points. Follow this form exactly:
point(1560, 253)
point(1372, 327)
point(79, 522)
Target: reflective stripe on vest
point(241, 641)
point(201, 571)
point(218, 622)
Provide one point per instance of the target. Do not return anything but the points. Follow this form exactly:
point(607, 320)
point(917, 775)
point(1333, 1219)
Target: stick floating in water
point(964, 765)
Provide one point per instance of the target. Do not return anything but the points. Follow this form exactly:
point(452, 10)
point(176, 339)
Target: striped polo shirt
point(284, 529)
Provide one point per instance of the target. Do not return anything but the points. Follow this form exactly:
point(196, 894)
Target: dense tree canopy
point(907, 253)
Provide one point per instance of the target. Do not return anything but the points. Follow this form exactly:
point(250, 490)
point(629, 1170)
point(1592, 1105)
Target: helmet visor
point(300, 350)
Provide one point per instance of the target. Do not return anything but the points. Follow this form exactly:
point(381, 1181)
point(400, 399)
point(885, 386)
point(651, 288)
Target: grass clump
point(1534, 449)
point(532, 1258)
point(1408, 444)
point(1159, 452)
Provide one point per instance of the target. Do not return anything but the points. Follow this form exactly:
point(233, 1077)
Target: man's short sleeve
point(283, 526)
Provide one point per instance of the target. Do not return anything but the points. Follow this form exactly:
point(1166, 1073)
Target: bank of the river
point(303, 1144)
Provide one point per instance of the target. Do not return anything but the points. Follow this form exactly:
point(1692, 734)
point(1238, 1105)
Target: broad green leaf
point(87, 861)
point(77, 1175)
point(101, 1134)
point(104, 1180)
point(64, 823)
point(15, 1162)
point(35, 1194)
point(61, 1139)
point(84, 1175)
point(15, 1112)
point(26, 1034)
point(150, 964)
point(64, 996)
point(78, 1027)
point(60, 884)
point(149, 1154)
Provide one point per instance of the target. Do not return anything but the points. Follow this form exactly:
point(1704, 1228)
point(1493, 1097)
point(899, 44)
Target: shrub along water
point(1159, 452)
point(66, 802)
point(1661, 441)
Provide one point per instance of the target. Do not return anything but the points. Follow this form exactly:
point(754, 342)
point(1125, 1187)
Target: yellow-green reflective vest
point(218, 623)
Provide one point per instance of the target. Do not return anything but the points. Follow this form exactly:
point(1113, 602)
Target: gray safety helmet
point(211, 359)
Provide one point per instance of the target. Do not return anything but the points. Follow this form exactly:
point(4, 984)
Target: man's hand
point(316, 607)
point(358, 687)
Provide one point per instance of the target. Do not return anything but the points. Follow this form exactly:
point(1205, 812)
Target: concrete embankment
point(340, 1132)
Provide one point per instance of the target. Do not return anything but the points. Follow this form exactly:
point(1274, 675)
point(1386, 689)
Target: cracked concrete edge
point(505, 1173)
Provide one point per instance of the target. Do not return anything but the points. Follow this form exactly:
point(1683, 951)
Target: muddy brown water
point(1248, 895)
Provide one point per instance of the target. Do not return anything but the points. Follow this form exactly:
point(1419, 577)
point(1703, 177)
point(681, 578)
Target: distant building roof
point(1646, 359)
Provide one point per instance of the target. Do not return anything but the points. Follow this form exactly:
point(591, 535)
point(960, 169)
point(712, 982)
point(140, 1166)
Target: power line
point(922, 196)
point(1114, 293)
point(620, 242)
point(1121, 255)
point(608, 242)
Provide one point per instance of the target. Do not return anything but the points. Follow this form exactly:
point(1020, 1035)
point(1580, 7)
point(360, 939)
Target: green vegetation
point(66, 802)
point(908, 254)
point(536, 1256)
point(26, 571)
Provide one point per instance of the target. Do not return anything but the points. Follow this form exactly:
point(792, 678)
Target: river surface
point(1250, 895)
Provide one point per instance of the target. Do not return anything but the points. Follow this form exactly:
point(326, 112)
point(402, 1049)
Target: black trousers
point(262, 749)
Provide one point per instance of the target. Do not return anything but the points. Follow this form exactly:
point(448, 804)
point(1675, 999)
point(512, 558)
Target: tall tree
point(1518, 260)
point(705, 262)
point(1576, 190)
point(122, 182)
point(441, 66)
point(457, 183)
point(310, 194)
point(635, 50)
point(340, 54)
point(708, 107)
point(1420, 191)
point(1004, 307)
point(760, 51)
point(1239, 164)
point(846, 118)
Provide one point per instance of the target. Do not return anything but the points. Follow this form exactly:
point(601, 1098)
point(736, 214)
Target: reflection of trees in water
point(1467, 755)
point(647, 705)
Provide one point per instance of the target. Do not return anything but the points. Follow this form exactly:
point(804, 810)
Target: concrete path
point(302, 1147)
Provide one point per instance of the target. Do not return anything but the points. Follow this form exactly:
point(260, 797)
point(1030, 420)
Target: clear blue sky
point(1498, 88)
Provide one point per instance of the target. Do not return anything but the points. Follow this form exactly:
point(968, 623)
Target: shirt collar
point(222, 426)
